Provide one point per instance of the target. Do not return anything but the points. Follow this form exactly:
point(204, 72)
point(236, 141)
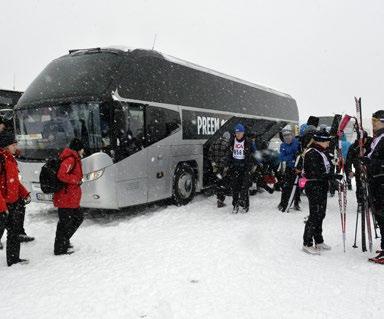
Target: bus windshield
point(43, 131)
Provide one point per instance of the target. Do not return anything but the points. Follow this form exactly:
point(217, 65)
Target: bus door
point(131, 155)
point(160, 124)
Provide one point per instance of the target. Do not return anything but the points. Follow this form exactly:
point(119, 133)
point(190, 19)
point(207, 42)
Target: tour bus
point(145, 119)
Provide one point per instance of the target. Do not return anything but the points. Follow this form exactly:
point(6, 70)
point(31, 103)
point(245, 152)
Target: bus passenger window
point(160, 123)
point(129, 122)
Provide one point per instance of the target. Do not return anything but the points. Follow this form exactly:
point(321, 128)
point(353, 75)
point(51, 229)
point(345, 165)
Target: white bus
point(144, 118)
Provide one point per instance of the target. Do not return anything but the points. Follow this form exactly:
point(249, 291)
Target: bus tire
point(184, 184)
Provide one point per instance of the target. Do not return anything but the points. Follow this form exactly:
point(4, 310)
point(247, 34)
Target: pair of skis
point(342, 184)
point(364, 208)
point(366, 205)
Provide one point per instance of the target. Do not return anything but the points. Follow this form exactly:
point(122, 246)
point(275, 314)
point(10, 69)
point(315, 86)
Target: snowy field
point(194, 261)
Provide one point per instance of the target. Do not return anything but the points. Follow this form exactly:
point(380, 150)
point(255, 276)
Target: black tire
point(184, 185)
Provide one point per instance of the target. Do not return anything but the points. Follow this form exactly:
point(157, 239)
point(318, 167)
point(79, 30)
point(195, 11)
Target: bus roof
point(148, 75)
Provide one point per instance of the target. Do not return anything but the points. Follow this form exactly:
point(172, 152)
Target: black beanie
point(321, 136)
point(379, 115)
point(76, 145)
point(7, 139)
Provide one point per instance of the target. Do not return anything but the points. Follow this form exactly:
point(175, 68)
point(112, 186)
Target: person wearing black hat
point(374, 161)
point(239, 161)
point(67, 199)
point(14, 194)
point(316, 169)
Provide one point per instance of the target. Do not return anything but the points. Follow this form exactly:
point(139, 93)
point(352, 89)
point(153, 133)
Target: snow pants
point(10, 223)
point(240, 187)
point(221, 185)
point(287, 186)
point(70, 220)
point(317, 197)
point(19, 216)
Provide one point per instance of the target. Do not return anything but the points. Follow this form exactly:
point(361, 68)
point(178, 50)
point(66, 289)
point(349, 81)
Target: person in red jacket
point(13, 196)
point(67, 199)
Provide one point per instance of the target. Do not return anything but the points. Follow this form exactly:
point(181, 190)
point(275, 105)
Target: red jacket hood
point(7, 154)
point(67, 152)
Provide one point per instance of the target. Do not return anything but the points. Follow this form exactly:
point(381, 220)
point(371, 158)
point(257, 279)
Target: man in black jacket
point(239, 163)
point(317, 169)
point(217, 155)
point(374, 160)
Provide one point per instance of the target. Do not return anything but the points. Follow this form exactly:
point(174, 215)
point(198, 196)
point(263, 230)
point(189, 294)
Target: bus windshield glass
point(42, 132)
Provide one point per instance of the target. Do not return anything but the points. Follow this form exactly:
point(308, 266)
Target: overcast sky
point(321, 52)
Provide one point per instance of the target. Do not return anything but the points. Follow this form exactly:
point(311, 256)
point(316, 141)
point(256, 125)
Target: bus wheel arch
point(184, 182)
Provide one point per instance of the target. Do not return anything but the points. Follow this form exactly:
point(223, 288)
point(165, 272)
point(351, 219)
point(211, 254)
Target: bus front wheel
point(184, 185)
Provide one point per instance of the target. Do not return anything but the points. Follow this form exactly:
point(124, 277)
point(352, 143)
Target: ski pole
point(357, 224)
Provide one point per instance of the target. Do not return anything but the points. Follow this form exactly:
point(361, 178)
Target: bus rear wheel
point(184, 185)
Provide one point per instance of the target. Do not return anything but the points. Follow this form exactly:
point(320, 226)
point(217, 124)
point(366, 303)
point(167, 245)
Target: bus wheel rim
point(185, 185)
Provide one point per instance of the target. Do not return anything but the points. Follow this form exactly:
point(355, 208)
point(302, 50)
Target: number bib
point(238, 150)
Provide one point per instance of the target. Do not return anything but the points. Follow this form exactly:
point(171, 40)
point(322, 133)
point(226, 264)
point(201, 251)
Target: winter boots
point(220, 204)
point(323, 246)
point(19, 261)
point(244, 210)
point(311, 250)
point(25, 238)
point(379, 259)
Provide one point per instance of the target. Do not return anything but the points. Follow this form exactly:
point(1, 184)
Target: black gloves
point(27, 200)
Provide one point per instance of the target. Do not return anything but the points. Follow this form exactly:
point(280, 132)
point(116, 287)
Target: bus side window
point(129, 129)
point(160, 123)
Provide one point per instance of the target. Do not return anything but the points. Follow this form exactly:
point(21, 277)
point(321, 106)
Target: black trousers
point(240, 187)
point(70, 220)
point(19, 216)
point(287, 186)
point(317, 197)
point(10, 223)
point(359, 189)
point(2, 227)
point(221, 189)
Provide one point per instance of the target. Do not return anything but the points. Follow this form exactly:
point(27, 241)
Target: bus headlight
point(92, 176)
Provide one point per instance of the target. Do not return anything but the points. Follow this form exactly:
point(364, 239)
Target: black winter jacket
point(247, 163)
point(353, 156)
point(218, 152)
point(314, 168)
point(375, 165)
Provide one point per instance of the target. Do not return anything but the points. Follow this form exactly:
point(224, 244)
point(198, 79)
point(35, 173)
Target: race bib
point(238, 150)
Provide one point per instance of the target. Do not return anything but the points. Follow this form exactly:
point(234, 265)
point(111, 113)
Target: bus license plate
point(44, 197)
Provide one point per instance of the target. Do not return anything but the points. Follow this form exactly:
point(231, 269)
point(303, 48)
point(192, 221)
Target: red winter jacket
point(11, 188)
point(70, 173)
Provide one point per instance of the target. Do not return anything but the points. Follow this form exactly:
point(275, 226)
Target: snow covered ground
point(194, 261)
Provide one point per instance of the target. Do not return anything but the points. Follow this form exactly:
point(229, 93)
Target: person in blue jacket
point(289, 149)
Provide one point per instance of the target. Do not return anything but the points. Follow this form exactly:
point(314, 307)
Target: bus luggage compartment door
point(131, 180)
point(158, 168)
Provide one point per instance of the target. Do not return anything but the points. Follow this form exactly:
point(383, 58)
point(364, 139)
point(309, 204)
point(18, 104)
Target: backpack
point(49, 182)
